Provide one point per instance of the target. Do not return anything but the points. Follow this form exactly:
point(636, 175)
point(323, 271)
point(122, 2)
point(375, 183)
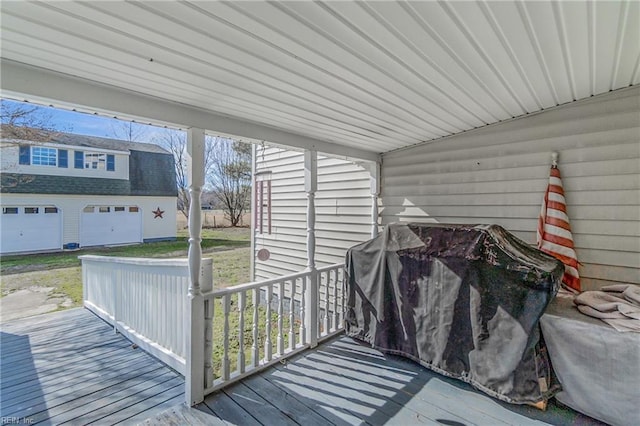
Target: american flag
point(554, 232)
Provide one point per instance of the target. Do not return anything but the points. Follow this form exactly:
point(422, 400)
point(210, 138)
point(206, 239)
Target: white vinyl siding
point(343, 208)
point(498, 174)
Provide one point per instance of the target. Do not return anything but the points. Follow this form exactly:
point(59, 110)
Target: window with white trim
point(263, 202)
point(43, 156)
point(95, 160)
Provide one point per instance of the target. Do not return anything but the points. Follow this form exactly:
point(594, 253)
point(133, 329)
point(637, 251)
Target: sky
point(93, 125)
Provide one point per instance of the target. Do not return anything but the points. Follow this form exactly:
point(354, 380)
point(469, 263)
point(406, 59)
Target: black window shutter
point(111, 162)
point(25, 154)
point(78, 159)
point(63, 158)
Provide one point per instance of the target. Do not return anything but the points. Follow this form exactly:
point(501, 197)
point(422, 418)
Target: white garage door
point(30, 228)
point(107, 225)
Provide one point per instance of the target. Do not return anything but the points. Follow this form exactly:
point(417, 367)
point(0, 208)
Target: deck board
point(70, 366)
point(343, 382)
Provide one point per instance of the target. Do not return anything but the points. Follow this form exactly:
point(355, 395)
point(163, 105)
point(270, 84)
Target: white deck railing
point(239, 330)
point(268, 322)
point(144, 299)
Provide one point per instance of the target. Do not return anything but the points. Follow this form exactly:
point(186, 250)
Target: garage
point(30, 228)
point(110, 225)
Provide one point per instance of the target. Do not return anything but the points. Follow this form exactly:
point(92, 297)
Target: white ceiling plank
point(180, 94)
point(51, 86)
point(181, 38)
point(197, 88)
point(363, 33)
point(472, 24)
point(575, 21)
point(544, 22)
point(606, 35)
point(628, 51)
point(332, 81)
point(318, 46)
point(364, 76)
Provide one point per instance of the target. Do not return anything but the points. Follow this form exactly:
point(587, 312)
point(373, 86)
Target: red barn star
point(158, 213)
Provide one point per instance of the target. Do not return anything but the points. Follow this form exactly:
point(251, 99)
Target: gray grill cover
point(462, 300)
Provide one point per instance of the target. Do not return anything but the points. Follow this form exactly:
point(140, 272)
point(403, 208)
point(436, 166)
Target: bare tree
point(128, 131)
point(175, 142)
point(230, 177)
point(25, 121)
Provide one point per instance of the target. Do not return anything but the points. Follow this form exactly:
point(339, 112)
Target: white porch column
point(374, 178)
point(195, 328)
point(311, 296)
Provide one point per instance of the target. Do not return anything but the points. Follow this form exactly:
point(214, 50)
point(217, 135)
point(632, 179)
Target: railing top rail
point(257, 284)
point(330, 267)
point(140, 260)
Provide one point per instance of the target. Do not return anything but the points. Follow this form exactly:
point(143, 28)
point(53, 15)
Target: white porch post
point(374, 178)
point(311, 296)
point(195, 327)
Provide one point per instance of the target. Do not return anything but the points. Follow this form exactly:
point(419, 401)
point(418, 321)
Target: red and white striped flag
point(554, 232)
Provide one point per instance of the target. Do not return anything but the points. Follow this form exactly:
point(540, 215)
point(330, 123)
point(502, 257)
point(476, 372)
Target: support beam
point(195, 332)
point(374, 179)
point(22, 81)
point(311, 298)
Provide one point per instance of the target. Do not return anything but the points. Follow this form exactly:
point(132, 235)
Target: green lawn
point(212, 239)
point(228, 247)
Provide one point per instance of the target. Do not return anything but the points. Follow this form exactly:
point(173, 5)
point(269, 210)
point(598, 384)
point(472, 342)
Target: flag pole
point(554, 159)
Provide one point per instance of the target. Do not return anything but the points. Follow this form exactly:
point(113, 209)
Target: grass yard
point(247, 332)
point(228, 247)
point(212, 239)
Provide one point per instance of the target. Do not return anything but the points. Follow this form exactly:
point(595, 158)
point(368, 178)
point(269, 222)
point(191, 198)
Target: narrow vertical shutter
point(25, 154)
point(78, 159)
point(63, 158)
point(111, 162)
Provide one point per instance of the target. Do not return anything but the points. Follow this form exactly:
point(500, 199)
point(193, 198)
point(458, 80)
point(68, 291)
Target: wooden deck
point(344, 383)
point(71, 367)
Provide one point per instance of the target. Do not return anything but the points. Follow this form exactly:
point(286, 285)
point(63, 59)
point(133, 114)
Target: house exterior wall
point(9, 163)
point(499, 174)
point(72, 205)
point(343, 208)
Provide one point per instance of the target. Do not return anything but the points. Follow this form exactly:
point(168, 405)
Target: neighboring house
point(71, 191)
point(342, 205)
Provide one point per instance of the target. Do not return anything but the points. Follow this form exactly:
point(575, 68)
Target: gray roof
point(73, 139)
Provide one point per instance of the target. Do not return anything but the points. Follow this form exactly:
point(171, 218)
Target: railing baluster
point(208, 341)
point(303, 329)
point(335, 299)
point(267, 324)
point(241, 359)
point(255, 357)
point(341, 306)
point(280, 340)
point(292, 298)
point(225, 345)
point(326, 276)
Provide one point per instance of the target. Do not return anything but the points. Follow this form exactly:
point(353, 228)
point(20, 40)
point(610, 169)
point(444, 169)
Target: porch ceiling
point(366, 77)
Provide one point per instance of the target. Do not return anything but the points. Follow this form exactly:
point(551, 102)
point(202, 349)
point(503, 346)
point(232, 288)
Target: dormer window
point(94, 161)
point(41, 156)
